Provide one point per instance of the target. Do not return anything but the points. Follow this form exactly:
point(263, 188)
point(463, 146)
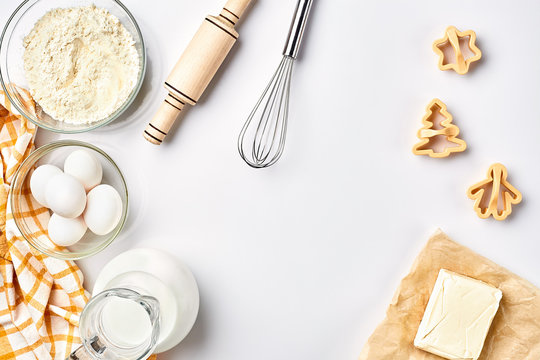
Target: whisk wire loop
point(261, 135)
point(271, 110)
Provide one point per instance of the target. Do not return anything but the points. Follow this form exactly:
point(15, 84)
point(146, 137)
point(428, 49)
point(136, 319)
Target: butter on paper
point(514, 333)
point(457, 317)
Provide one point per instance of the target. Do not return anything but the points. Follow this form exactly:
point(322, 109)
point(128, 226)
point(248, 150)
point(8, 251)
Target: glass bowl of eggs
point(82, 61)
point(69, 199)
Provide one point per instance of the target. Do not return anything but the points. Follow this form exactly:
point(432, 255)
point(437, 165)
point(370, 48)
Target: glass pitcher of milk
point(118, 323)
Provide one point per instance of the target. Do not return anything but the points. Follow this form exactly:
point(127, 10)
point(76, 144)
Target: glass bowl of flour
point(82, 61)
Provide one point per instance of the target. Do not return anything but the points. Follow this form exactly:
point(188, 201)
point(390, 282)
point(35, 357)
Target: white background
point(299, 261)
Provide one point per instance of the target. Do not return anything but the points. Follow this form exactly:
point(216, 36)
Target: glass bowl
point(55, 153)
point(12, 74)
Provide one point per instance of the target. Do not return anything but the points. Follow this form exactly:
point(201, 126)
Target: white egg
point(65, 196)
point(39, 180)
point(103, 209)
point(85, 167)
point(64, 231)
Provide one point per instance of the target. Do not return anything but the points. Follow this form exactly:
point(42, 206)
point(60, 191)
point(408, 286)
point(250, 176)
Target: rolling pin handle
point(236, 7)
point(162, 122)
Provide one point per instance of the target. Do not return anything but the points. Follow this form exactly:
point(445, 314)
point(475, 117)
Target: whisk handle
point(298, 25)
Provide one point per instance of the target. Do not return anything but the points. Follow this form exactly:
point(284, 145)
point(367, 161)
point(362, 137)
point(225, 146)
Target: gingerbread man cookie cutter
point(430, 131)
point(452, 37)
point(487, 194)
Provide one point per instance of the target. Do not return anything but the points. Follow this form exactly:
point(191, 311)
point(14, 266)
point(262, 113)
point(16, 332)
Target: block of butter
point(457, 317)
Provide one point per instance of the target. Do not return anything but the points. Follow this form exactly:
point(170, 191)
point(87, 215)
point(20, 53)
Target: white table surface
point(299, 261)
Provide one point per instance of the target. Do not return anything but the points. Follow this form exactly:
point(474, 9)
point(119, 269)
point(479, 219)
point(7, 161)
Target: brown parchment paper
point(514, 334)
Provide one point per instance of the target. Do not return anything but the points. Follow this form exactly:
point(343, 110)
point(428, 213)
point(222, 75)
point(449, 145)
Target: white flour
point(81, 64)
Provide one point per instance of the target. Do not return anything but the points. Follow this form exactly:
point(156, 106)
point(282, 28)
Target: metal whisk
point(261, 142)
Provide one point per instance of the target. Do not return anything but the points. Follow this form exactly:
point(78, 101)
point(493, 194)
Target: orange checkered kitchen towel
point(41, 298)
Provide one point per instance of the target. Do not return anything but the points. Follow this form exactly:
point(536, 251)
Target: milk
point(171, 285)
point(147, 284)
point(125, 322)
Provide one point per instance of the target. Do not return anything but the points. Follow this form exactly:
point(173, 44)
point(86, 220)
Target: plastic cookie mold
point(495, 195)
point(452, 37)
point(432, 131)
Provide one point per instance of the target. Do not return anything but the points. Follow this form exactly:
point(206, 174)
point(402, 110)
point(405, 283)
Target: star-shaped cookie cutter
point(452, 36)
point(428, 131)
point(487, 204)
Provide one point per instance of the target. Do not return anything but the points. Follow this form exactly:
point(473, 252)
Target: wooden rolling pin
point(196, 67)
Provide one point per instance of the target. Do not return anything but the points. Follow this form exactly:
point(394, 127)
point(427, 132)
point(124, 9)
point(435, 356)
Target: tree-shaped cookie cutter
point(452, 36)
point(428, 132)
point(487, 193)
